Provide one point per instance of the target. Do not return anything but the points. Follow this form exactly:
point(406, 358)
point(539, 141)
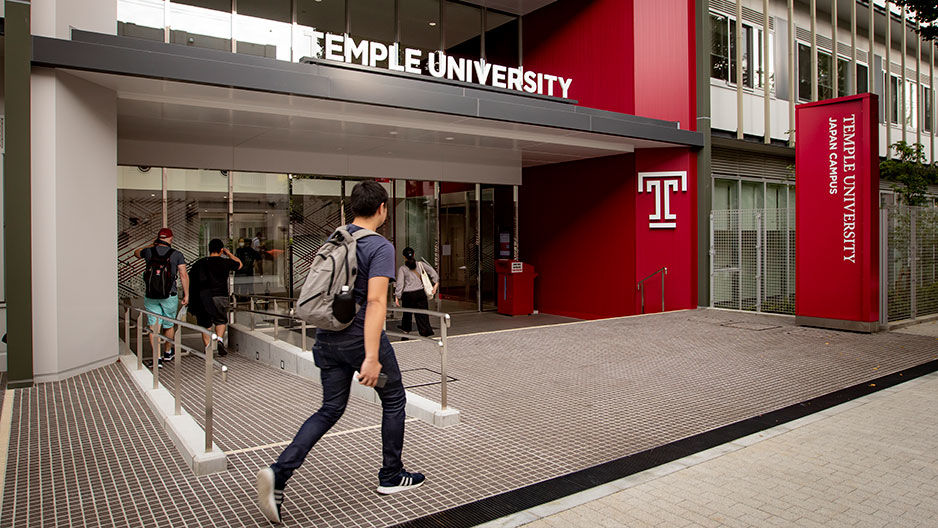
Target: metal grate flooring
point(537, 403)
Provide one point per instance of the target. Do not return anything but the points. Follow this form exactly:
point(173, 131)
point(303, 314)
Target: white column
point(74, 207)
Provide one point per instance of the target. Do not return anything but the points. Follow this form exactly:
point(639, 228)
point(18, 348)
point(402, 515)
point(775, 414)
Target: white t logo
point(662, 184)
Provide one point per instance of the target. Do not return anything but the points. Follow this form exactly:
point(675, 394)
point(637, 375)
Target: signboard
point(342, 48)
point(837, 219)
point(517, 267)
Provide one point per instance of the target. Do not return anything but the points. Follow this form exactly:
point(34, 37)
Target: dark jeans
point(416, 299)
point(338, 361)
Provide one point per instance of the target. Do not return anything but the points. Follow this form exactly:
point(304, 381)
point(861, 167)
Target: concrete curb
point(183, 430)
point(290, 358)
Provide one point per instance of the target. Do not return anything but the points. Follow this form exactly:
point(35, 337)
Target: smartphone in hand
point(382, 379)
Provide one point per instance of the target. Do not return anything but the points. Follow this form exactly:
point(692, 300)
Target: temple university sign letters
point(342, 48)
point(663, 185)
point(837, 186)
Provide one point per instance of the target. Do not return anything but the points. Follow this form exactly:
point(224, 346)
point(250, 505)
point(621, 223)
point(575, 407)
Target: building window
point(765, 65)
point(201, 24)
point(501, 38)
point(804, 72)
point(927, 108)
point(141, 19)
point(462, 30)
point(420, 24)
point(863, 78)
point(279, 10)
point(263, 28)
point(326, 16)
point(825, 76)
point(747, 54)
point(725, 194)
point(215, 5)
point(719, 47)
point(843, 86)
point(910, 119)
point(894, 102)
point(723, 52)
point(372, 20)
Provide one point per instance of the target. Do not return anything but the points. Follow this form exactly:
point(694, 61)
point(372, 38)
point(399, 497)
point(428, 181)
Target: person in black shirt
point(209, 278)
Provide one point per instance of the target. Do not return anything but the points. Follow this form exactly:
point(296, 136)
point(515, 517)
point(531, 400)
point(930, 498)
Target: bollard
point(303, 338)
point(209, 374)
point(140, 341)
point(157, 345)
point(127, 331)
point(443, 360)
point(177, 360)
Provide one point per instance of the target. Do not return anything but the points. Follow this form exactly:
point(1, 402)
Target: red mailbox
point(515, 287)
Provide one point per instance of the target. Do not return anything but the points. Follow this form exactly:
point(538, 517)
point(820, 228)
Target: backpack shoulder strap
point(362, 233)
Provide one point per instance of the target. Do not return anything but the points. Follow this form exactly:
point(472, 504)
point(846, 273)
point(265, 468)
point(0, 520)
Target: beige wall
point(74, 206)
point(55, 18)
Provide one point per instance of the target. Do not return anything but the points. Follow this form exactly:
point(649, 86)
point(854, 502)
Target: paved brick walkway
point(872, 462)
point(538, 403)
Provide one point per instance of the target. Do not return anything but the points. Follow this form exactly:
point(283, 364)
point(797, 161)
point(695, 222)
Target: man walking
point(210, 290)
point(161, 294)
point(363, 346)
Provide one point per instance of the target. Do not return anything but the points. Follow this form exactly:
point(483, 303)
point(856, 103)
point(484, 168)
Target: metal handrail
point(276, 316)
point(641, 286)
point(209, 355)
point(445, 323)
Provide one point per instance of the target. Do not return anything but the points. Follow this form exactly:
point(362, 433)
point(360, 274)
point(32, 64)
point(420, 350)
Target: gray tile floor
point(537, 403)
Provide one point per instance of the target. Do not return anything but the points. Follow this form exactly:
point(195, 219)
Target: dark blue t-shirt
point(375, 259)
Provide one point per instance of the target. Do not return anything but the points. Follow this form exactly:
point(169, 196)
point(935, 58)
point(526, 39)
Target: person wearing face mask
point(410, 293)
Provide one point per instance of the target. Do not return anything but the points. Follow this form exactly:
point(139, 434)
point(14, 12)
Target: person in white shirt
point(409, 292)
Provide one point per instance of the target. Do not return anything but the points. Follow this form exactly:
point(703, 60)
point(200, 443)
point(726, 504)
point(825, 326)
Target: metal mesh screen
point(752, 260)
point(911, 261)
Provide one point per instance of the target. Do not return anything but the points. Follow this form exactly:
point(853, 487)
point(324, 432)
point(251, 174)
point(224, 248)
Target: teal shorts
point(168, 307)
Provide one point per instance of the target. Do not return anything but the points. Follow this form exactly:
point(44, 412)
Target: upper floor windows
point(755, 63)
point(288, 29)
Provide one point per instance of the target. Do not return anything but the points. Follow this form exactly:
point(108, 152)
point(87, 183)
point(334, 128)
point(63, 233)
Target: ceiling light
point(449, 138)
point(432, 24)
point(393, 132)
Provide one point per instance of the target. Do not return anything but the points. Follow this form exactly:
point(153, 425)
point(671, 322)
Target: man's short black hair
point(215, 245)
point(367, 197)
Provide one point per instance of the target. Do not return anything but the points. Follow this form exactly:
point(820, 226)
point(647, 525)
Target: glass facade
point(286, 29)
point(275, 223)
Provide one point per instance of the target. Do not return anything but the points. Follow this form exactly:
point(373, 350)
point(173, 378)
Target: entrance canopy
point(186, 107)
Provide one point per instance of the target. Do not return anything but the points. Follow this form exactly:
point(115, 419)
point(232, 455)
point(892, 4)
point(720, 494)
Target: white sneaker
point(268, 499)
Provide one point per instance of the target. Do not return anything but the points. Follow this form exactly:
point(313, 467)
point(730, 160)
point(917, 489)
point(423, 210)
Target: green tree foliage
point(910, 174)
point(926, 13)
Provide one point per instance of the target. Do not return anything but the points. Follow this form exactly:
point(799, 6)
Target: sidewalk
point(870, 462)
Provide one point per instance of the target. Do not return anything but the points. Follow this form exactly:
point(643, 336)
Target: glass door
point(260, 228)
point(459, 247)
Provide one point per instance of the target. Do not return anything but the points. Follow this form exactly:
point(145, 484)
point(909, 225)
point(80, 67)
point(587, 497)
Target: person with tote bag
point(417, 283)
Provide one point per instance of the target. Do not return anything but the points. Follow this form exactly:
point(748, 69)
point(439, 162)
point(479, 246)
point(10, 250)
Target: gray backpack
point(326, 300)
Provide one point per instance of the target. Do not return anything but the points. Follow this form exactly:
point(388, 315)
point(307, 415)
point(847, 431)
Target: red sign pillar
point(837, 220)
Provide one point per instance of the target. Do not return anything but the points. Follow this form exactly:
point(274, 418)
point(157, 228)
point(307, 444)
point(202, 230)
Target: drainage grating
point(422, 377)
point(750, 326)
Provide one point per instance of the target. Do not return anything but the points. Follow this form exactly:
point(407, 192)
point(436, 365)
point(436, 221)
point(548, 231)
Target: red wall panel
point(665, 62)
point(590, 42)
point(672, 247)
point(579, 233)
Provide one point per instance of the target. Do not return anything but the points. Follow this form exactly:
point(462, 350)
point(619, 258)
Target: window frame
point(753, 61)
